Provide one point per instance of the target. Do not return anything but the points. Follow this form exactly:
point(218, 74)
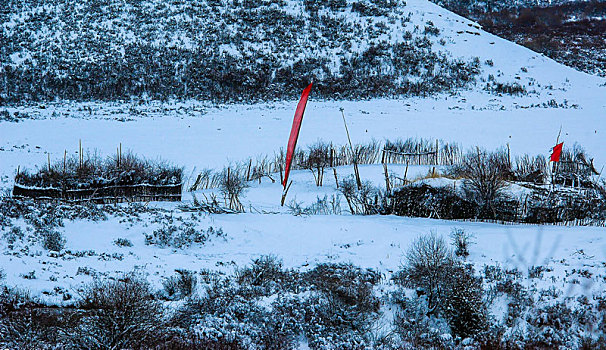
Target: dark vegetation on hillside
point(218, 50)
point(571, 32)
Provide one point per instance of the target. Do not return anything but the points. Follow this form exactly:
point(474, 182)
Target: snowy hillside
point(247, 51)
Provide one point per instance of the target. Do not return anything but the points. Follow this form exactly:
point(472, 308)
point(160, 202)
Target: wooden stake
point(64, 160)
point(387, 185)
point(248, 172)
point(49, 165)
point(285, 193)
point(80, 154)
point(334, 170)
point(437, 152)
point(353, 153)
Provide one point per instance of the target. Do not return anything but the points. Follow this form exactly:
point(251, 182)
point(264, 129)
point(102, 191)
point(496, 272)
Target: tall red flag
point(557, 152)
point(294, 132)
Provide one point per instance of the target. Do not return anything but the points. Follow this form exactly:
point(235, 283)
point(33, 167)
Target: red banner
point(557, 152)
point(294, 132)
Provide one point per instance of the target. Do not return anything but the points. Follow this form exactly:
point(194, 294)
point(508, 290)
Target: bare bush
point(428, 262)
point(232, 186)
point(322, 206)
point(364, 200)
point(531, 169)
point(320, 156)
point(485, 174)
point(121, 314)
point(451, 288)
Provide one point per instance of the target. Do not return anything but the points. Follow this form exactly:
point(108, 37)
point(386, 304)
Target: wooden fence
point(103, 194)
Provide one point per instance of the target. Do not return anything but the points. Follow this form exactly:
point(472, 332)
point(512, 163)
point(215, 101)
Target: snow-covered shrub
point(536, 271)
point(13, 235)
point(123, 315)
point(340, 312)
point(25, 323)
point(230, 313)
point(551, 327)
point(493, 273)
point(349, 283)
point(53, 240)
point(264, 306)
point(463, 303)
point(518, 298)
point(266, 272)
point(181, 236)
point(506, 88)
point(431, 29)
point(417, 328)
point(451, 287)
point(330, 323)
point(95, 171)
point(87, 271)
point(123, 242)
point(461, 240)
point(43, 215)
point(194, 341)
point(180, 286)
point(428, 263)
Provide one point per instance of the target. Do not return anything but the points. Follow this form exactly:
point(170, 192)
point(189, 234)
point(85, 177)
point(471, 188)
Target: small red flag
point(557, 152)
point(294, 132)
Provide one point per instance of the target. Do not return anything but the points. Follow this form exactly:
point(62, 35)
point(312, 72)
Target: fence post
point(387, 185)
point(334, 170)
point(437, 152)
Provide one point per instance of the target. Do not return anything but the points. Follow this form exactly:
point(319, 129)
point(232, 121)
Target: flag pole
point(555, 165)
point(353, 153)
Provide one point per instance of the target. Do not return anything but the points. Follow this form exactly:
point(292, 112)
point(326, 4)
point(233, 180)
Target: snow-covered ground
point(378, 242)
